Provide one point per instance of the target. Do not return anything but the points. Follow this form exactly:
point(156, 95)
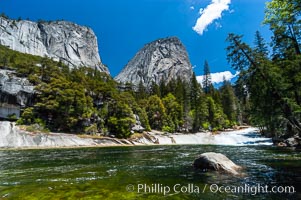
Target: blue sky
point(124, 26)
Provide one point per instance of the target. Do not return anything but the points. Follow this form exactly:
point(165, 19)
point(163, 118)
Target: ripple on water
point(10, 183)
point(104, 173)
point(112, 172)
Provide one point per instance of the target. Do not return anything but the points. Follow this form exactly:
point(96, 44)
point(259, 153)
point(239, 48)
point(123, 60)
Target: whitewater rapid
point(248, 136)
point(11, 136)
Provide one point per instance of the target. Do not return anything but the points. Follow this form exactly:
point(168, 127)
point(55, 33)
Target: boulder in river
point(293, 142)
point(217, 162)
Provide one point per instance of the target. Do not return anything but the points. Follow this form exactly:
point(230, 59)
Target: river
point(108, 172)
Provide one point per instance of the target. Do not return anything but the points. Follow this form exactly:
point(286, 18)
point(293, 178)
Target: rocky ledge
point(15, 93)
point(294, 142)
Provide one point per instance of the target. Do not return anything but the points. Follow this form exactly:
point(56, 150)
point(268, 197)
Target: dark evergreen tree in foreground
point(272, 79)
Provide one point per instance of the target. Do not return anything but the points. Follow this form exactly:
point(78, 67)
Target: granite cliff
point(15, 93)
point(61, 40)
point(163, 59)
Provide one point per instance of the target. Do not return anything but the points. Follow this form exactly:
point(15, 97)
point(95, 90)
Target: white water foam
point(249, 136)
point(12, 137)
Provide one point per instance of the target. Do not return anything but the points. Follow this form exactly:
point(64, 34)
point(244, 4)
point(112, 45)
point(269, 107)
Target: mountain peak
point(68, 42)
point(161, 60)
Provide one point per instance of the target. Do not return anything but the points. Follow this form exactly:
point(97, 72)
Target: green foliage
point(142, 116)
point(195, 92)
point(141, 92)
point(27, 116)
point(91, 130)
point(156, 112)
point(174, 111)
point(229, 101)
point(137, 109)
point(84, 100)
point(206, 126)
point(216, 116)
point(154, 89)
point(121, 120)
point(36, 128)
point(207, 85)
point(64, 104)
point(12, 116)
point(276, 106)
point(168, 129)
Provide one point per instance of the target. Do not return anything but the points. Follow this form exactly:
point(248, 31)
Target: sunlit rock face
point(217, 162)
point(163, 59)
point(63, 41)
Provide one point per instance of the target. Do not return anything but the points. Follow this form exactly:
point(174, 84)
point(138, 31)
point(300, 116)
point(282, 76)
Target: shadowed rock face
point(217, 162)
point(12, 85)
point(72, 44)
point(163, 59)
point(15, 93)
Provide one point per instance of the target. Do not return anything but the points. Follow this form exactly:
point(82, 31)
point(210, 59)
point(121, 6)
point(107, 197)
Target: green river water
point(107, 173)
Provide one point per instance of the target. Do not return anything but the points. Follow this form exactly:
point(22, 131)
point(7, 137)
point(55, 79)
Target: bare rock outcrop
point(64, 41)
point(163, 59)
point(217, 162)
point(15, 93)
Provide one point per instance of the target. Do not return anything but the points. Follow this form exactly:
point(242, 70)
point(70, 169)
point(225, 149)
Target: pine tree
point(141, 92)
point(260, 45)
point(229, 102)
point(163, 88)
point(207, 78)
point(275, 100)
point(195, 91)
point(154, 89)
point(283, 17)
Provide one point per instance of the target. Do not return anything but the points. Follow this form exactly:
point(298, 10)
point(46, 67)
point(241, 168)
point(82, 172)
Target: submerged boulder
point(217, 162)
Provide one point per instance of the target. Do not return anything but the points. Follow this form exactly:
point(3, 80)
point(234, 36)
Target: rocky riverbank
point(294, 142)
point(12, 136)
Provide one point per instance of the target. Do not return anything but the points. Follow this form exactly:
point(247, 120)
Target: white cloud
point(210, 13)
point(191, 7)
point(219, 77)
